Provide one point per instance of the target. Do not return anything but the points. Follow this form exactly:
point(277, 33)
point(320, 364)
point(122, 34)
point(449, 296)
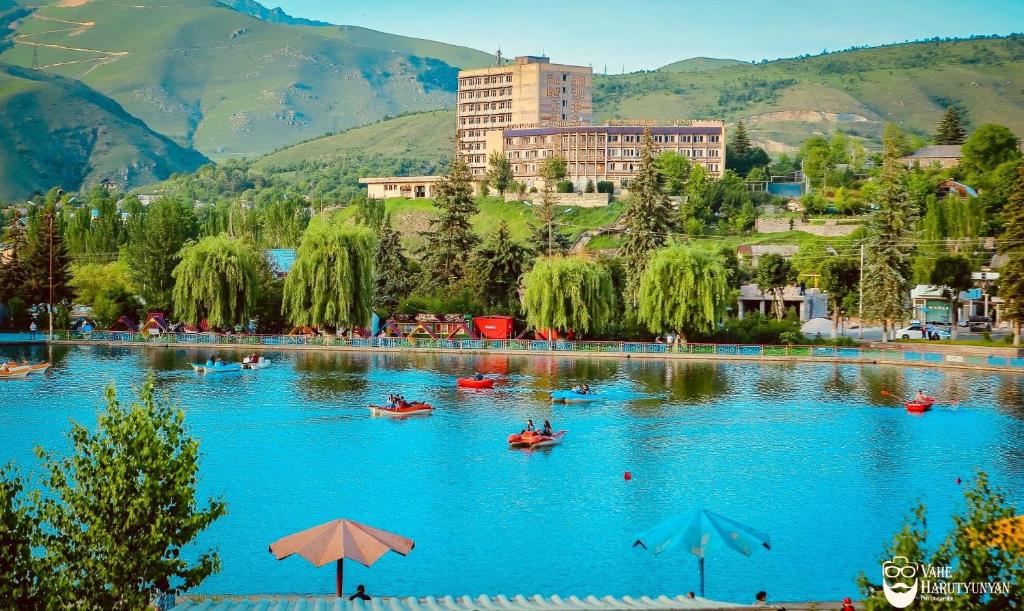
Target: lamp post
point(49, 305)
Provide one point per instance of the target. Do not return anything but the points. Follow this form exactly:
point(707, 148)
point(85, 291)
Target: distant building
point(930, 305)
point(752, 253)
point(946, 155)
point(409, 187)
point(811, 303)
point(528, 92)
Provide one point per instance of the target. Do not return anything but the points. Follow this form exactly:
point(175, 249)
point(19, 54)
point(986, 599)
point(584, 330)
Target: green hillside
point(58, 132)
point(230, 84)
point(428, 135)
point(857, 91)
point(273, 15)
point(700, 64)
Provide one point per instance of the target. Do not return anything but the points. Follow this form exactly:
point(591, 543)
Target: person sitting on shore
point(529, 427)
point(547, 431)
point(360, 593)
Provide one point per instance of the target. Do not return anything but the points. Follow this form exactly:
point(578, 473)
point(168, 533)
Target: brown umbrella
point(340, 539)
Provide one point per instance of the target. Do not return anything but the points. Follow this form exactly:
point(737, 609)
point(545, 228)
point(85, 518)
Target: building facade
point(609, 152)
point(529, 92)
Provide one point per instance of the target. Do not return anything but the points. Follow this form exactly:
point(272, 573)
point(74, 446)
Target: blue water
point(811, 453)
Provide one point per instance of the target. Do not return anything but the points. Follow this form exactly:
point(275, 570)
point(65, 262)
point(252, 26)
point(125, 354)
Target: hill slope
point(700, 64)
point(274, 15)
point(229, 84)
point(58, 132)
point(857, 91)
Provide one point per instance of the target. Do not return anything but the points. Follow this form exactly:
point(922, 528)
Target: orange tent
point(340, 539)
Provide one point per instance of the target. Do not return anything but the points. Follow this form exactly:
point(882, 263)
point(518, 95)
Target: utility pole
point(49, 306)
point(860, 301)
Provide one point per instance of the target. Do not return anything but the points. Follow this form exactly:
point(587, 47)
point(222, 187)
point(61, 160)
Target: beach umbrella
point(695, 530)
point(338, 540)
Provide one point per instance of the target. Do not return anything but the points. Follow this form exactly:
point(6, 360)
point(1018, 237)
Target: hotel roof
point(450, 603)
point(614, 129)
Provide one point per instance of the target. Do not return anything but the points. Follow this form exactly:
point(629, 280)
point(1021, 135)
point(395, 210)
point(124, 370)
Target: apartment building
point(529, 92)
point(609, 152)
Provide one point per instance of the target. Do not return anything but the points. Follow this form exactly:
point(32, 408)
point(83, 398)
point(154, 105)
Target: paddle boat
point(533, 439)
point(409, 409)
point(261, 364)
point(573, 396)
point(218, 368)
point(474, 383)
point(13, 373)
point(919, 406)
point(32, 367)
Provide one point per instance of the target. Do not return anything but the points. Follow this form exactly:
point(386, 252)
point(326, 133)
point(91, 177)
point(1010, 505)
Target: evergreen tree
point(390, 270)
point(740, 141)
point(450, 240)
point(499, 172)
point(951, 129)
point(890, 243)
point(498, 264)
point(45, 250)
point(12, 272)
point(1011, 243)
point(154, 247)
point(547, 239)
point(648, 218)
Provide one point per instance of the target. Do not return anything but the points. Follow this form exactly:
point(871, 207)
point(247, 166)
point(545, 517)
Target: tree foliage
point(649, 218)
point(121, 508)
point(568, 293)
point(218, 281)
point(12, 272)
point(951, 128)
point(772, 275)
point(498, 264)
point(154, 248)
point(683, 289)
point(332, 280)
point(839, 278)
point(987, 147)
point(953, 275)
point(19, 523)
point(450, 240)
point(391, 271)
point(45, 250)
point(1011, 243)
point(499, 172)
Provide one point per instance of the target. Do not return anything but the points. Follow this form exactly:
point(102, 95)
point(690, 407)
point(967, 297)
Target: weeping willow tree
point(331, 282)
point(217, 280)
point(683, 289)
point(568, 293)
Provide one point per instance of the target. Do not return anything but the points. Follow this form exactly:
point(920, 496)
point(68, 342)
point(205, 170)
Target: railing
point(823, 353)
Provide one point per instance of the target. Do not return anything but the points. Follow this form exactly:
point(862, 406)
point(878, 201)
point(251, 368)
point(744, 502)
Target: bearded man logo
point(899, 582)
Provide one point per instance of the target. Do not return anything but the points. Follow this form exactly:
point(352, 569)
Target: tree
point(19, 522)
point(45, 251)
point(895, 140)
point(498, 264)
point(499, 172)
point(450, 240)
point(839, 278)
point(217, 281)
point(568, 294)
point(986, 148)
point(122, 508)
point(154, 248)
point(552, 170)
point(683, 289)
point(890, 244)
point(740, 143)
point(12, 272)
point(332, 280)
point(90, 280)
point(370, 212)
point(953, 275)
point(674, 171)
point(951, 128)
point(1011, 243)
point(772, 275)
point(390, 270)
point(649, 219)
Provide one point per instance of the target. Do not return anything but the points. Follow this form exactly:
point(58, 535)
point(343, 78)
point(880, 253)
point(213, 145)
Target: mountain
point(274, 15)
point(700, 64)
point(58, 132)
point(229, 84)
point(857, 91)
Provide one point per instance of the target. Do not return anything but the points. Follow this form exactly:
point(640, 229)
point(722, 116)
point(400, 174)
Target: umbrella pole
point(337, 578)
point(700, 569)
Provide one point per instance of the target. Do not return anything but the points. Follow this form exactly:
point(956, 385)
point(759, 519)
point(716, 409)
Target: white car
point(916, 330)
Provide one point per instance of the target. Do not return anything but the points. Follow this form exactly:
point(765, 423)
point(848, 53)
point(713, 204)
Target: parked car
point(916, 330)
point(979, 324)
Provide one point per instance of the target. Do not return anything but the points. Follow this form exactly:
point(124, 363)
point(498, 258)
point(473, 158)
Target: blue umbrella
point(694, 530)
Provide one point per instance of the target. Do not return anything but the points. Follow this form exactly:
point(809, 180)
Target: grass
point(1005, 342)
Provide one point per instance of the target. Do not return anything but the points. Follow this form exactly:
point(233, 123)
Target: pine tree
point(12, 272)
point(950, 129)
point(1011, 284)
point(740, 141)
point(649, 219)
point(44, 245)
point(390, 270)
point(890, 244)
point(498, 264)
point(451, 240)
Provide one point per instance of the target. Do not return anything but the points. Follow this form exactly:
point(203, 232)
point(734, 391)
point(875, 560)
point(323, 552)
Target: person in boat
point(577, 389)
point(547, 430)
point(921, 397)
point(529, 427)
point(246, 359)
point(584, 389)
point(211, 361)
point(478, 377)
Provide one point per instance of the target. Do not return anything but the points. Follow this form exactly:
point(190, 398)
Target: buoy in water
point(628, 475)
point(958, 481)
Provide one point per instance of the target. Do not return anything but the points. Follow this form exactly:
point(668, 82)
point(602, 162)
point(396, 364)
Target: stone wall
point(583, 200)
point(831, 228)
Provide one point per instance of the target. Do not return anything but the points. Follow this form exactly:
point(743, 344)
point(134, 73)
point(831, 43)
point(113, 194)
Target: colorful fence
point(26, 337)
point(751, 351)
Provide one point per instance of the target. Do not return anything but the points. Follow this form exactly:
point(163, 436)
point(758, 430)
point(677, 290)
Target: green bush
point(590, 186)
point(565, 186)
point(605, 186)
point(757, 329)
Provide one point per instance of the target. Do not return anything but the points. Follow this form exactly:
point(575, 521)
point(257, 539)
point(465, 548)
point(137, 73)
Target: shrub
point(757, 329)
point(605, 186)
point(590, 186)
point(565, 186)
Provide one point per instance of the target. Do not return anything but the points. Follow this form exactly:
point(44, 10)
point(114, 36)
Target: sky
point(645, 34)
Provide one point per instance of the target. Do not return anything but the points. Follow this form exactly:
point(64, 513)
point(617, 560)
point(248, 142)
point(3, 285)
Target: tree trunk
point(1016, 333)
point(955, 318)
point(885, 331)
point(780, 305)
point(835, 322)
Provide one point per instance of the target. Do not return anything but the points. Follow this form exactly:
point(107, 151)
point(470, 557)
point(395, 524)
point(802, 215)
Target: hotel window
point(613, 152)
point(687, 152)
point(713, 138)
point(712, 152)
point(613, 138)
point(611, 166)
point(698, 138)
point(698, 152)
point(684, 139)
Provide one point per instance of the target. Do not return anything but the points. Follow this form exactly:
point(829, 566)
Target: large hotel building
point(531, 109)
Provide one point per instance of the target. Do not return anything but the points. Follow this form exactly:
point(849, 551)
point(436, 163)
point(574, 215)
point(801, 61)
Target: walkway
point(22, 338)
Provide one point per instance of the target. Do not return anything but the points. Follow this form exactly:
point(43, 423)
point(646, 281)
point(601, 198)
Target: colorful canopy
point(339, 540)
